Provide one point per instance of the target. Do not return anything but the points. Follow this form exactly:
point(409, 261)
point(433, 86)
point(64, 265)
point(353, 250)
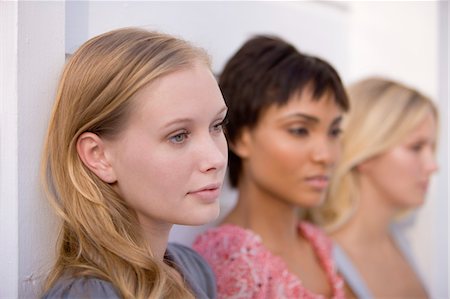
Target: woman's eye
point(299, 131)
point(336, 132)
point(219, 127)
point(417, 147)
point(179, 138)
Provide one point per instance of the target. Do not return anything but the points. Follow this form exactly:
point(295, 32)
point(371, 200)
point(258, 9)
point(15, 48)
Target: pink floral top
point(246, 269)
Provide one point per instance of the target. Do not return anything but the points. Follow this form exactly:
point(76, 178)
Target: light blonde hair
point(382, 113)
point(100, 235)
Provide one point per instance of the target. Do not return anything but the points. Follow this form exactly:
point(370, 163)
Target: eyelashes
point(179, 138)
point(419, 146)
point(299, 131)
point(303, 132)
point(220, 127)
point(336, 132)
point(183, 135)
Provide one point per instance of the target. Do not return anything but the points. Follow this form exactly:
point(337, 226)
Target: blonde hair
point(382, 113)
point(100, 235)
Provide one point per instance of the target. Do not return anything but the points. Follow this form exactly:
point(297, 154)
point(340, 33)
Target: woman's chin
point(202, 217)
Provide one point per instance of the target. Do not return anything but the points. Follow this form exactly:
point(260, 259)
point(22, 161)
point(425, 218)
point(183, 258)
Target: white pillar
point(442, 212)
point(8, 151)
point(32, 55)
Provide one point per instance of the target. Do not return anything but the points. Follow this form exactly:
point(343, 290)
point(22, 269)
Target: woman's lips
point(319, 182)
point(207, 194)
point(424, 186)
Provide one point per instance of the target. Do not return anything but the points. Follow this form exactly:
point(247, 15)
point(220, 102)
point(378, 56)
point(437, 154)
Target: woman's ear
point(365, 166)
point(242, 145)
point(92, 152)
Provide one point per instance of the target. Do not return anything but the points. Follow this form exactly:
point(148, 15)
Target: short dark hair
point(267, 71)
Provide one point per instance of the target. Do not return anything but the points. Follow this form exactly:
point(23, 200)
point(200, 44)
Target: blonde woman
point(385, 168)
point(134, 145)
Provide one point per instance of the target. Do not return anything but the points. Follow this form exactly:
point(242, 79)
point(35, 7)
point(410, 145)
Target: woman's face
point(170, 159)
point(402, 174)
point(291, 152)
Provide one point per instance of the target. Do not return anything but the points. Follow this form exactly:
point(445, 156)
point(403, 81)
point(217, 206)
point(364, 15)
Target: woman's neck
point(371, 220)
point(275, 220)
point(157, 236)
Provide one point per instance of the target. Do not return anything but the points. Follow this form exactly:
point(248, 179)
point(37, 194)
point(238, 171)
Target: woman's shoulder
point(241, 263)
point(310, 228)
point(186, 258)
point(194, 268)
point(350, 273)
point(316, 235)
point(229, 246)
point(81, 287)
point(226, 238)
point(397, 230)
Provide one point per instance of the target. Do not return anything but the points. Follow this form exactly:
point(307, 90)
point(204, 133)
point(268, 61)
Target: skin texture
point(169, 161)
point(172, 146)
point(287, 158)
point(412, 160)
point(290, 154)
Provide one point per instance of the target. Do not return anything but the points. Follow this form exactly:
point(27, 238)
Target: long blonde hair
point(100, 235)
point(382, 113)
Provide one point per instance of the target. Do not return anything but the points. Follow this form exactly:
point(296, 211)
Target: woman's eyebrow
point(307, 117)
point(188, 120)
point(224, 108)
point(336, 121)
point(177, 121)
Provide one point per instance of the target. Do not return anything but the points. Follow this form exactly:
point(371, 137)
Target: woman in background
point(283, 131)
point(134, 145)
point(388, 157)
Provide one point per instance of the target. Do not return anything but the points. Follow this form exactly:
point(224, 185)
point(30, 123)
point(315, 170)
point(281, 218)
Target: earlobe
point(360, 168)
point(364, 166)
point(92, 152)
point(242, 146)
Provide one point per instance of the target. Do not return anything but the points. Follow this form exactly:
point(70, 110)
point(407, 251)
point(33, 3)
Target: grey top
point(353, 277)
point(196, 272)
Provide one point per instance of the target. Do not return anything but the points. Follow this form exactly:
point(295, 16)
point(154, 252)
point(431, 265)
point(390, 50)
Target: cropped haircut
point(383, 113)
point(268, 71)
point(100, 235)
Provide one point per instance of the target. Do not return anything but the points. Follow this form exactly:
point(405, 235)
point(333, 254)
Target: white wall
point(396, 39)
point(400, 40)
point(219, 27)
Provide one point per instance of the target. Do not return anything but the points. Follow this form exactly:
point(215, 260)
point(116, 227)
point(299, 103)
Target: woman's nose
point(214, 154)
point(325, 151)
point(431, 165)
